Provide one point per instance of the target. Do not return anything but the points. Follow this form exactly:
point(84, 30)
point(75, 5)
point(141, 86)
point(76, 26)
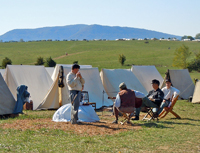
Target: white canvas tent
point(93, 85)
point(146, 74)
point(35, 77)
point(182, 81)
point(111, 78)
point(196, 95)
point(50, 70)
point(2, 71)
point(7, 101)
point(56, 70)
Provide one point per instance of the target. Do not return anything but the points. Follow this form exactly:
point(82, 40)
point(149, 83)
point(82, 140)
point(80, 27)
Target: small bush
point(194, 65)
point(122, 59)
point(6, 61)
point(40, 61)
point(50, 62)
point(75, 62)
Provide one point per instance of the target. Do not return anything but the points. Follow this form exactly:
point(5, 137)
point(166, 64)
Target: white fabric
point(170, 93)
point(2, 71)
point(56, 70)
point(182, 81)
point(35, 77)
point(118, 100)
point(93, 85)
point(50, 70)
point(85, 114)
point(146, 74)
point(7, 101)
point(196, 95)
point(111, 78)
point(73, 82)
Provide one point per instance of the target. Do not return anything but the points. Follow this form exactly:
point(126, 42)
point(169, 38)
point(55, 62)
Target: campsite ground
point(36, 132)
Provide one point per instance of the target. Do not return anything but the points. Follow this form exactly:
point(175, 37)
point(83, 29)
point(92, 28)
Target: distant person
point(153, 99)
point(125, 100)
point(170, 93)
point(75, 83)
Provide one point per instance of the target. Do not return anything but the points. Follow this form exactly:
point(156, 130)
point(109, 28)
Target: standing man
point(75, 84)
point(153, 99)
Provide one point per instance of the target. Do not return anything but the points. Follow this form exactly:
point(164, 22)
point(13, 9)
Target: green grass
point(167, 135)
point(101, 54)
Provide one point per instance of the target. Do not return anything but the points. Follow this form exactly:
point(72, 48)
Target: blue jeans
point(145, 102)
point(75, 105)
point(163, 104)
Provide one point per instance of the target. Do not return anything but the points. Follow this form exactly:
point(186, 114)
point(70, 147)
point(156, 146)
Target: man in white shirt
point(170, 93)
point(75, 83)
point(125, 100)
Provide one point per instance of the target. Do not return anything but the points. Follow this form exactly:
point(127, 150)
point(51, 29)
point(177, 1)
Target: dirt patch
point(97, 128)
point(68, 55)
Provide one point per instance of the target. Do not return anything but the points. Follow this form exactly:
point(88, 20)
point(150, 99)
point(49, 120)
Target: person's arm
point(139, 94)
point(72, 82)
point(176, 92)
point(159, 98)
point(117, 101)
point(82, 80)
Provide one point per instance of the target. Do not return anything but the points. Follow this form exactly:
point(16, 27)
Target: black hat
point(168, 80)
point(155, 81)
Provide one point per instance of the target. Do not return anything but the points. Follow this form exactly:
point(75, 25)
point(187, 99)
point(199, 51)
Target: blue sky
point(178, 17)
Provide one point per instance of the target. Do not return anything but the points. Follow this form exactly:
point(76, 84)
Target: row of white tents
point(43, 84)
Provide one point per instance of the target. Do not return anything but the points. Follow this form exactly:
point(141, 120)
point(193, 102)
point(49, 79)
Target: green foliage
point(197, 36)
point(194, 65)
point(122, 59)
point(40, 61)
point(6, 61)
point(180, 57)
point(50, 62)
point(184, 37)
point(190, 37)
point(75, 62)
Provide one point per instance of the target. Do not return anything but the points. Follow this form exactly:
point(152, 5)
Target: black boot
point(136, 118)
point(115, 122)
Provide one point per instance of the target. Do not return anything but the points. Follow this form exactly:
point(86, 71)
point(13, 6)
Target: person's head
point(75, 68)
point(122, 86)
point(168, 83)
point(155, 84)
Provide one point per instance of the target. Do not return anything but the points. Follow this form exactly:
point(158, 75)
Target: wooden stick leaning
point(74, 99)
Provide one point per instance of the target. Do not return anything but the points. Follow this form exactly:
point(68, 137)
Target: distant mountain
point(81, 31)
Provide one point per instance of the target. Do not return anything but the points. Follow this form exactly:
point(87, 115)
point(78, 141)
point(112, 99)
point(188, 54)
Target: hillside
point(82, 31)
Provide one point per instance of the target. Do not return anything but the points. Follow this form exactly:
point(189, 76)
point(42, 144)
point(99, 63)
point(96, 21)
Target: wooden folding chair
point(166, 110)
point(127, 113)
point(151, 115)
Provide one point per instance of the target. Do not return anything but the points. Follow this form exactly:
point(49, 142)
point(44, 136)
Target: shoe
point(155, 115)
point(136, 118)
point(115, 122)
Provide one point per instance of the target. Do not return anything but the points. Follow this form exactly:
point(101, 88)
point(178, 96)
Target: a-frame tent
point(196, 95)
point(181, 80)
point(7, 101)
point(111, 78)
point(93, 85)
point(146, 74)
point(2, 71)
point(50, 70)
point(35, 77)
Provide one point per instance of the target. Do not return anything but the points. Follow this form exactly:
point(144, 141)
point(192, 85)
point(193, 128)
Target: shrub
point(40, 61)
point(6, 61)
point(75, 62)
point(122, 59)
point(50, 62)
point(194, 65)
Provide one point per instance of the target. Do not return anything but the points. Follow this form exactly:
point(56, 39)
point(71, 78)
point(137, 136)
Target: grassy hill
point(101, 54)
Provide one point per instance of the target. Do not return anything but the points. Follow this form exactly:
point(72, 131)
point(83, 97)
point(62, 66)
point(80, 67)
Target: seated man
point(125, 100)
point(153, 99)
point(170, 93)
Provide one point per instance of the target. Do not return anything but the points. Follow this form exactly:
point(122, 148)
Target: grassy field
point(101, 54)
point(166, 135)
point(35, 132)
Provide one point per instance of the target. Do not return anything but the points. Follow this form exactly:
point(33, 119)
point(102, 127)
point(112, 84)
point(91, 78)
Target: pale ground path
point(66, 55)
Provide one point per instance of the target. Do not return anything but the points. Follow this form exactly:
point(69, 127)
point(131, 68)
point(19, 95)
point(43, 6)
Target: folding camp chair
point(152, 115)
point(166, 110)
point(85, 99)
point(127, 113)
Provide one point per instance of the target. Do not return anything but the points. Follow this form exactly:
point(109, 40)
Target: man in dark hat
point(153, 99)
point(75, 83)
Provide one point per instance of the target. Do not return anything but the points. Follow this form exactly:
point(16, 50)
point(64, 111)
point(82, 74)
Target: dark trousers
point(75, 105)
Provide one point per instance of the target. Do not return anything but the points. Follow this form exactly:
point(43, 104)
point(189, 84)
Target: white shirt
point(137, 94)
point(170, 93)
point(73, 82)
